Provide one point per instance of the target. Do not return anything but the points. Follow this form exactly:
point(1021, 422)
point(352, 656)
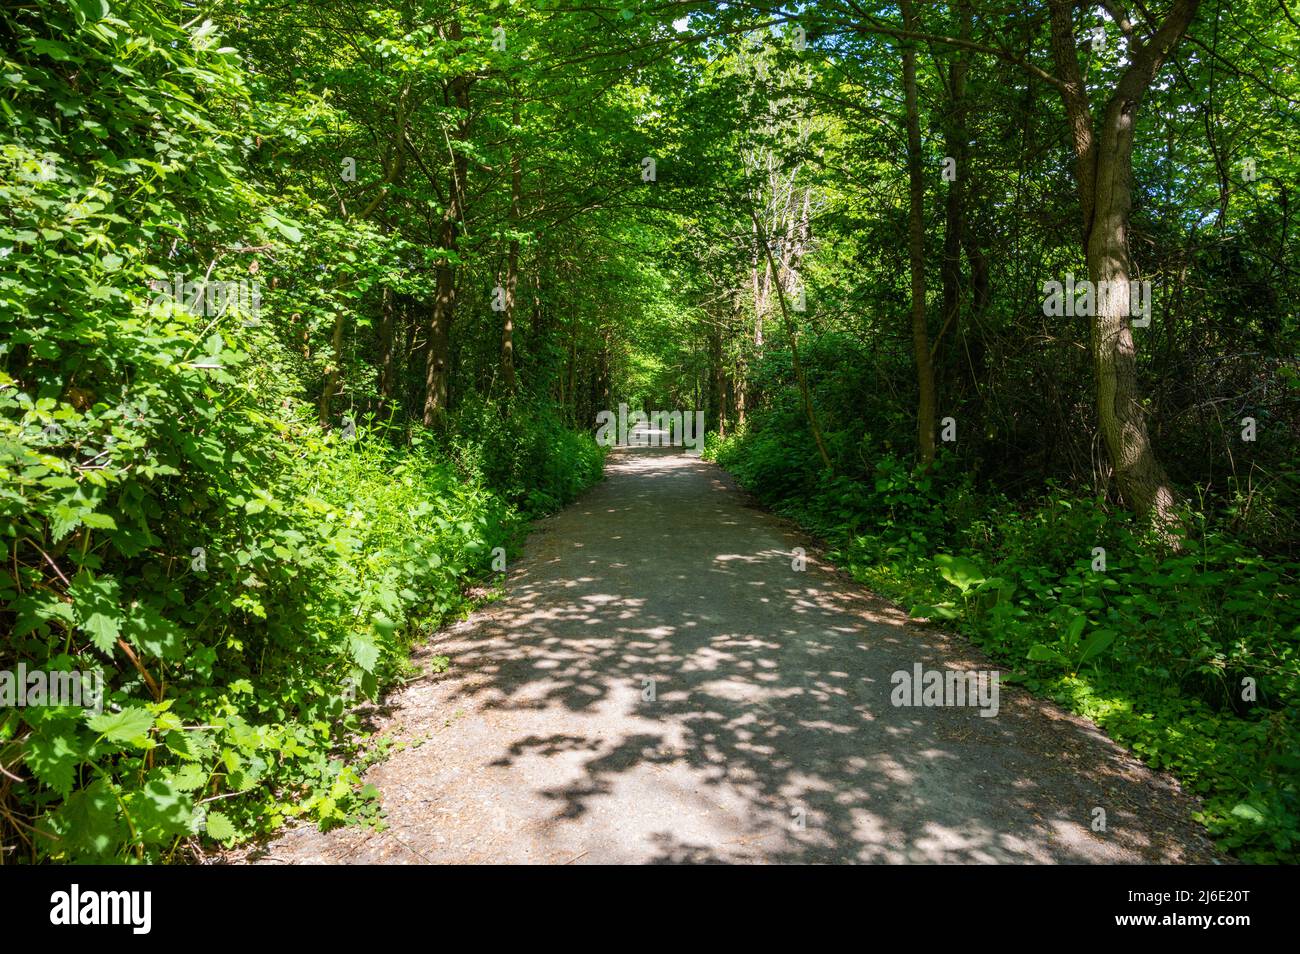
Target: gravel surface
point(660, 685)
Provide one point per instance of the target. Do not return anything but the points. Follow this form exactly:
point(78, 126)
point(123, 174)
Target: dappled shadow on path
point(660, 685)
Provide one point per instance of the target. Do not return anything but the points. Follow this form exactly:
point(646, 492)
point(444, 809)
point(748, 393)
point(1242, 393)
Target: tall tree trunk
point(761, 288)
point(386, 375)
point(955, 137)
point(437, 371)
point(512, 268)
point(334, 372)
point(535, 328)
point(602, 373)
point(739, 375)
point(716, 415)
point(1141, 479)
point(1103, 174)
point(793, 334)
point(437, 368)
point(925, 406)
point(416, 350)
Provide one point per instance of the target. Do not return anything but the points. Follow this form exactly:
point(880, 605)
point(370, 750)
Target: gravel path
point(770, 736)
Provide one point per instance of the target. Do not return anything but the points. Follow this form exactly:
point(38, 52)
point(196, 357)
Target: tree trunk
point(793, 334)
point(713, 421)
point(925, 407)
point(512, 269)
point(602, 374)
point(950, 273)
point(1103, 174)
point(334, 371)
point(386, 375)
point(437, 371)
point(438, 348)
point(1138, 473)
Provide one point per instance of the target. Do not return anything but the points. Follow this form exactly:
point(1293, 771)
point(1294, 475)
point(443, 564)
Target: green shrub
point(171, 514)
point(240, 578)
point(1188, 657)
point(524, 452)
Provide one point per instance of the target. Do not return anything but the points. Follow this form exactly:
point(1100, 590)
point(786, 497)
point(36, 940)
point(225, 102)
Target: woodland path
point(771, 706)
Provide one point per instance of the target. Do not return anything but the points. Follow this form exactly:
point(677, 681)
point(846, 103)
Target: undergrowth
point(239, 579)
point(1186, 656)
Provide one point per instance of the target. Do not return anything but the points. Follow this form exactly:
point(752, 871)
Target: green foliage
point(524, 452)
point(1154, 649)
point(322, 561)
point(238, 513)
point(172, 514)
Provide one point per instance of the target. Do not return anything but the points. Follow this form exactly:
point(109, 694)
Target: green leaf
point(1075, 628)
point(129, 725)
point(55, 51)
point(63, 521)
point(287, 229)
point(959, 571)
point(53, 755)
point(190, 746)
point(95, 602)
point(161, 811)
point(1096, 643)
point(1248, 812)
point(89, 824)
point(189, 777)
point(1040, 653)
point(93, 10)
point(152, 632)
point(936, 611)
point(220, 827)
point(364, 651)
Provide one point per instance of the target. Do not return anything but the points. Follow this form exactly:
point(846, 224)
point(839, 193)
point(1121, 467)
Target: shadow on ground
point(660, 685)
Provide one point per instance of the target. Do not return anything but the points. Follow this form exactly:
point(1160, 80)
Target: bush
point(239, 577)
point(526, 454)
point(1189, 658)
point(172, 517)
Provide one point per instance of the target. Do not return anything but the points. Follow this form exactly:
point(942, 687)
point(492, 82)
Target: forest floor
point(770, 735)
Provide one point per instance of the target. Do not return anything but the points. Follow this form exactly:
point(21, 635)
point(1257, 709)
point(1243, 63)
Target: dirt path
point(771, 736)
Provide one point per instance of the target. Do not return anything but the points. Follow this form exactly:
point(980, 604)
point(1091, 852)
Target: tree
point(1103, 150)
